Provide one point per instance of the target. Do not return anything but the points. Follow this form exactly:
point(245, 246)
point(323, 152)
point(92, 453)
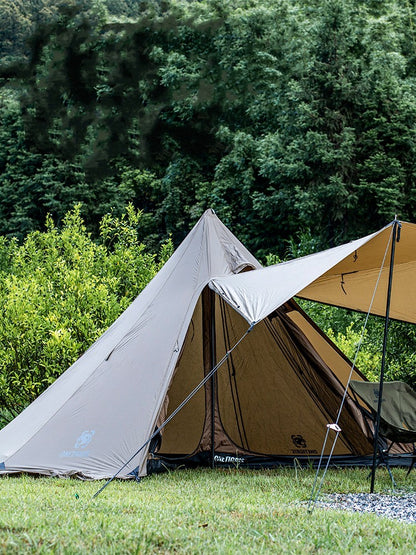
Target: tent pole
point(396, 225)
point(213, 384)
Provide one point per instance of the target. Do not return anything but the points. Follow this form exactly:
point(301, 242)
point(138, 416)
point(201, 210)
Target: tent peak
point(209, 212)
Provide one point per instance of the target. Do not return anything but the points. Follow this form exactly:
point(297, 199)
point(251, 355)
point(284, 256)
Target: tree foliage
point(294, 120)
point(59, 291)
point(363, 342)
point(294, 114)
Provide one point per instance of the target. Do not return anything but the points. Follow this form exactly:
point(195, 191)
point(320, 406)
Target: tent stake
point(396, 227)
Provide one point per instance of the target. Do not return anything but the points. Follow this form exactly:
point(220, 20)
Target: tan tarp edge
point(344, 276)
point(351, 283)
point(257, 294)
point(97, 414)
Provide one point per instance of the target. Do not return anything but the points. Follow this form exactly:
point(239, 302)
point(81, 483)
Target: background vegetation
point(59, 291)
point(293, 119)
point(296, 114)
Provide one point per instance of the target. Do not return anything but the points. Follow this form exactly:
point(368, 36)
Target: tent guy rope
point(335, 426)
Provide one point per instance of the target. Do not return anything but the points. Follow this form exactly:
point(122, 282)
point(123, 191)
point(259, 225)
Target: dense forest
point(294, 119)
point(285, 117)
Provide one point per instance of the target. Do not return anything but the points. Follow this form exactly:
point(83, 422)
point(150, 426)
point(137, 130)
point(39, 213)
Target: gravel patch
point(400, 507)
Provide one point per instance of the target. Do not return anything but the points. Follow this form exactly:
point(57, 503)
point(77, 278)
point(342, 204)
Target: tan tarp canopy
point(344, 276)
point(272, 398)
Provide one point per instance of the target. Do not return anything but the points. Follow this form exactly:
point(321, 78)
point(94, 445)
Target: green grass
point(199, 511)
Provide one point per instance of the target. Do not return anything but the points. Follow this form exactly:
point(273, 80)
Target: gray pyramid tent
point(268, 403)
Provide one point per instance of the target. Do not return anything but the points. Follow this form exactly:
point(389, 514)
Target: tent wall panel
point(183, 433)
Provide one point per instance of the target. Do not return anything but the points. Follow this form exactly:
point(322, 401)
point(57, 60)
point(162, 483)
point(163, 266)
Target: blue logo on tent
point(84, 439)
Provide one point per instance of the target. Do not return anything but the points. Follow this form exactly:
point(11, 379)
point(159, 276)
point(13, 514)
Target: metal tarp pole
point(396, 225)
point(213, 378)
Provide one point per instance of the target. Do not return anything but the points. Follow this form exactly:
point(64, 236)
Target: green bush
point(59, 291)
point(345, 328)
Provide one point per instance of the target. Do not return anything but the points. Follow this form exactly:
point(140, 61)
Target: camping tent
point(269, 403)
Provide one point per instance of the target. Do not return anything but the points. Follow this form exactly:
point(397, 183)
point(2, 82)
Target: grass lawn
point(198, 511)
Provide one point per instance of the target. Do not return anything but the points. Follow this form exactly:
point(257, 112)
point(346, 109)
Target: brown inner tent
point(273, 397)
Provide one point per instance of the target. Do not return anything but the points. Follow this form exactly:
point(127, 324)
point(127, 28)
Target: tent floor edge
point(166, 463)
